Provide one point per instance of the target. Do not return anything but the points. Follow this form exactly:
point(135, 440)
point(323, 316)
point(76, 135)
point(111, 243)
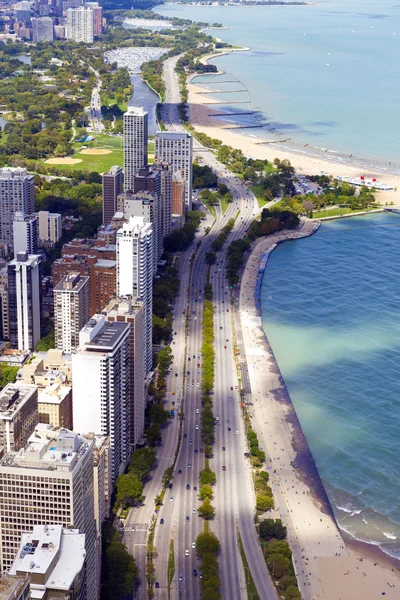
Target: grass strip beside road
point(250, 585)
point(171, 564)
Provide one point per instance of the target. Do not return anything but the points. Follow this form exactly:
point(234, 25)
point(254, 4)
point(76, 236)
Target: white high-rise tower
point(135, 143)
point(135, 273)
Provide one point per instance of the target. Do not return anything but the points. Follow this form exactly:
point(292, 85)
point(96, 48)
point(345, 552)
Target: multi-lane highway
point(234, 495)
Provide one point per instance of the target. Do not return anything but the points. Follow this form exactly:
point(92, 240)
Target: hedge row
point(221, 237)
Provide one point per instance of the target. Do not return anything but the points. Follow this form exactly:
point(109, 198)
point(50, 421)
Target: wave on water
point(390, 536)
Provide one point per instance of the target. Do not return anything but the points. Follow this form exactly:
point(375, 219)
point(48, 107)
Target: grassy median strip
point(171, 563)
point(250, 585)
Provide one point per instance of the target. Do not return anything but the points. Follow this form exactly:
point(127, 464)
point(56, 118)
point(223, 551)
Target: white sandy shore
point(313, 163)
point(325, 567)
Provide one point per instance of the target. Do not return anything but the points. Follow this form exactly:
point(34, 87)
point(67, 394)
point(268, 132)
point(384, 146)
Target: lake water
point(144, 96)
point(324, 75)
point(331, 311)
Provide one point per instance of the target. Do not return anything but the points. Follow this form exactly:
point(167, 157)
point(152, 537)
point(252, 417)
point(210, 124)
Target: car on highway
point(194, 510)
point(196, 451)
point(197, 411)
point(161, 521)
point(231, 387)
point(187, 518)
point(180, 472)
point(180, 577)
point(195, 488)
point(237, 433)
point(223, 467)
point(229, 428)
point(187, 486)
point(188, 372)
point(217, 418)
point(190, 464)
point(190, 442)
point(171, 498)
point(185, 435)
point(201, 449)
point(201, 574)
point(193, 544)
point(176, 374)
point(157, 585)
point(197, 426)
point(223, 448)
point(194, 573)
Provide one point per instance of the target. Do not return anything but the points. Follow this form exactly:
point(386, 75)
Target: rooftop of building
point(25, 258)
point(40, 548)
point(136, 110)
point(106, 264)
point(49, 448)
point(172, 135)
point(114, 170)
point(73, 282)
point(107, 337)
point(122, 306)
point(13, 396)
point(13, 172)
point(11, 586)
point(54, 394)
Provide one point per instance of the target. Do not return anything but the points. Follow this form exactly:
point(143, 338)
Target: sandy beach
point(202, 109)
point(327, 567)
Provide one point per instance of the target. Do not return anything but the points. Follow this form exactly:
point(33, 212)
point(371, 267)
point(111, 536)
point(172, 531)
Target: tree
point(158, 414)
point(207, 543)
point(7, 375)
point(264, 502)
point(153, 434)
point(308, 207)
point(120, 571)
point(292, 593)
point(210, 257)
point(279, 565)
point(142, 462)
point(223, 189)
point(271, 528)
point(206, 510)
point(206, 491)
point(129, 490)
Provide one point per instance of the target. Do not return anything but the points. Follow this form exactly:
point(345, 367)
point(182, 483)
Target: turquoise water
point(325, 75)
point(331, 311)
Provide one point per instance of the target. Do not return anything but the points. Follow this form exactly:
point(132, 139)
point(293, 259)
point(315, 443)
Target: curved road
point(234, 494)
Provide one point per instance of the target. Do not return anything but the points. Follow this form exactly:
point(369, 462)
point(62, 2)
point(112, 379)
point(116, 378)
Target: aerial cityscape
point(199, 315)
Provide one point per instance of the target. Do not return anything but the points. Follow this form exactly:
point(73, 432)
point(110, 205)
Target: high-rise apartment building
point(51, 482)
point(25, 233)
point(50, 226)
point(97, 17)
point(15, 587)
point(112, 186)
point(4, 319)
point(178, 194)
point(24, 301)
point(80, 24)
point(54, 559)
point(18, 415)
point(101, 396)
point(71, 310)
point(148, 206)
point(177, 150)
point(135, 273)
point(123, 310)
point(42, 29)
point(94, 259)
point(135, 143)
point(17, 193)
point(157, 179)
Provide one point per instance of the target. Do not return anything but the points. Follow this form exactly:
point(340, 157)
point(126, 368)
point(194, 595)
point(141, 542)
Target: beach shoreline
point(329, 565)
point(306, 159)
